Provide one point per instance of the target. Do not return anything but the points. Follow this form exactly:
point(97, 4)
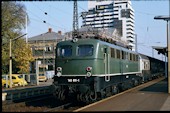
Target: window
point(64, 51)
point(13, 77)
point(113, 52)
point(136, 57)
point(118, 54)
point(85, 50)
point(20, 76)
point(123, 55)
point(48, 49)
point(4, 77)
point(131, 55)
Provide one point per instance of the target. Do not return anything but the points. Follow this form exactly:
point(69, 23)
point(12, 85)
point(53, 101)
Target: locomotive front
point(75, 64)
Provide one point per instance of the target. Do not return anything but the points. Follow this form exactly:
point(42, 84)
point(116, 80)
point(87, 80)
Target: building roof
point(161, 50)
point(143, 56)
point(50, 35)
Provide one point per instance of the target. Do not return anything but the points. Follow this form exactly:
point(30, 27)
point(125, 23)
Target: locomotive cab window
point(64, 51)
point(85, 50)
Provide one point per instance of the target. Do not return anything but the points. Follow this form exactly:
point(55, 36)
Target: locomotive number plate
point(73, 80)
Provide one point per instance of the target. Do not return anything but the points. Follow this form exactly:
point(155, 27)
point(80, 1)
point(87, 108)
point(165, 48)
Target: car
point(17, 80)
point(42, 78)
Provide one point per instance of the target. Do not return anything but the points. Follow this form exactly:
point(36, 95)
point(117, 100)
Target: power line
point(34, 15)
point(62, 11)
point(45, 12)
point(47, 23)
point(145, 13)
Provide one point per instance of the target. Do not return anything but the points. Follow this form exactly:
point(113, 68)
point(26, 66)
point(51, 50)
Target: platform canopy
point(161, 50)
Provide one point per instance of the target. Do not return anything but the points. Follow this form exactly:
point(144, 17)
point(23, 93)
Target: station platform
point(151, 96)
point(29, 91)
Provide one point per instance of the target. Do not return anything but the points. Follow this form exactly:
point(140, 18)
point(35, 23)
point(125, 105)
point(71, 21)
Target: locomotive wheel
point(87, 98)
point(84, 97)
point(93, 96)
point(55, 94)
point(115, 90)
point(59, 93)
point(81, 97)
point(62, 96)
point(136, 82)
point(78, 97)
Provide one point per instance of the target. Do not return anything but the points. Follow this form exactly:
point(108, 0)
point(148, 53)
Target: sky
point(59, 16)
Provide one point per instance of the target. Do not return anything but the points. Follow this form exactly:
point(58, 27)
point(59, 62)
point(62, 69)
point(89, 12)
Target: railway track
point(41, 104)
point(38, 104)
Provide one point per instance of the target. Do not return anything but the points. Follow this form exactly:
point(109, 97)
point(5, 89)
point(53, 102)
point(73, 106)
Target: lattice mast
point(75, 21)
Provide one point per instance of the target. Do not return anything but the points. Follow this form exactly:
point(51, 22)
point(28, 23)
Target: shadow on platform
point(161, 86)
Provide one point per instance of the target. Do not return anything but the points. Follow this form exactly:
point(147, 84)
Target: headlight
point(89, 68)
point(59, 69)
point(88, 74)
point(58, 74)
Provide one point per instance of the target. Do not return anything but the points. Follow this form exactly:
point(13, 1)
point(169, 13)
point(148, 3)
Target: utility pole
point(10, 59)
point(26, 28)
point(75, 20)
point(10, 64)
point(136, 48)
point(167, 19)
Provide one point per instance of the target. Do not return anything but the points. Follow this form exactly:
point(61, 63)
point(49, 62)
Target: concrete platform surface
point(151, 96)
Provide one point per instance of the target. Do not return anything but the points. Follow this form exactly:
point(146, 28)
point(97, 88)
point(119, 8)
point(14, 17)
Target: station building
point(43, 49)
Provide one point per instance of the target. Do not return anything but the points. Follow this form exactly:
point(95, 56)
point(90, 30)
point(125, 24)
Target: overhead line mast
point(75, 21)
point(101, 36)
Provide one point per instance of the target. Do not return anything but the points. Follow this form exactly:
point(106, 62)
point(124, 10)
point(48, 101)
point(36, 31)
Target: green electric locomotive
point(91, 69)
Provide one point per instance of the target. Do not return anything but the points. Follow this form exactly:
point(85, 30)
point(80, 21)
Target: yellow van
point(17, 80)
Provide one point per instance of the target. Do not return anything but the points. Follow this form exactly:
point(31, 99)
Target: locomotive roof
point(101, 42)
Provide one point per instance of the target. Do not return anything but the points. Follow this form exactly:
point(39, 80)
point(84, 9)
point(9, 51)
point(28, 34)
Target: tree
point(13, 21)
point(23, 56)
